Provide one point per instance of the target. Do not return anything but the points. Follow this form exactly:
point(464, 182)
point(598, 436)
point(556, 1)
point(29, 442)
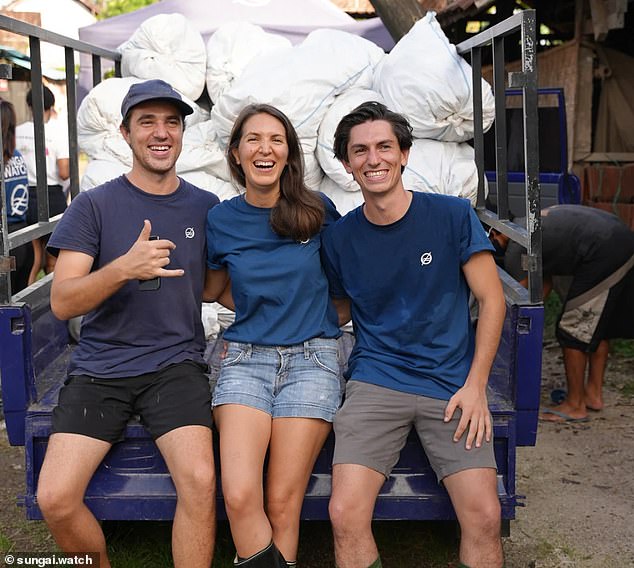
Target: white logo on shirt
point(19, 200)
point(304, 242)
point(189, 233)
point(425, 258)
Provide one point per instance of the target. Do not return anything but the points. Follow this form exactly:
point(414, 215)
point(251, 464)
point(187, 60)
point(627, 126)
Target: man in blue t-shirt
point(404, 263)
point(131, 260)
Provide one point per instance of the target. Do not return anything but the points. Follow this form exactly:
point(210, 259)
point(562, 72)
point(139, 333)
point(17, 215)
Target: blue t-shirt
point(134, 332)
point(17, 188)
point(408, 293)
point(278, 284)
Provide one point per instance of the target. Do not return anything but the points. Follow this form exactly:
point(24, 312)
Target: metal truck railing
point(45, 225)
point(526, 82)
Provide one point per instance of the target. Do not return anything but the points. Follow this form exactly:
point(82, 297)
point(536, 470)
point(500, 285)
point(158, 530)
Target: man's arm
point(481, 275)
point(342, 305)
point(63, 168)
point(76, 290)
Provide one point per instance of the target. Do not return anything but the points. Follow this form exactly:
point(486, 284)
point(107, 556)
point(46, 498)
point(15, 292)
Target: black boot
point(270, 557)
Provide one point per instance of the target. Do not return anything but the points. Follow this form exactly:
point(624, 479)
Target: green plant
point(5, 543)
point(623, 347)
point(118, 7)
point(552, 307)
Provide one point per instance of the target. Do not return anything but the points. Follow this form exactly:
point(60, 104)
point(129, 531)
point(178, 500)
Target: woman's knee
point(283, 508)
point(241, 498)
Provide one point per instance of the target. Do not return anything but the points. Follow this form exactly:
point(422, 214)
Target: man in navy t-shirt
point(131, 260)
point(404, 263)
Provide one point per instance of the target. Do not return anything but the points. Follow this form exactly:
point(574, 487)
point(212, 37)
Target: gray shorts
point(372, 426)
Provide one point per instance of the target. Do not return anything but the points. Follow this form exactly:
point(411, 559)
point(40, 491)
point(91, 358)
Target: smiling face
point(155, 136)
point(375, 158)
point(262, 154)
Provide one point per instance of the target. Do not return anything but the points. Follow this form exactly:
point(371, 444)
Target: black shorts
point(23, 261)
point(56, 202)
point(176, 396)
point(591, 315)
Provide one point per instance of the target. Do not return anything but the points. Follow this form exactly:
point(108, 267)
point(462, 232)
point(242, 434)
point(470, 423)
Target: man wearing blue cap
point(131, 260)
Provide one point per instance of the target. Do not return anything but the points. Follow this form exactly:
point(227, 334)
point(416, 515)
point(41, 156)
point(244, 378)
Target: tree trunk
point(398, 15)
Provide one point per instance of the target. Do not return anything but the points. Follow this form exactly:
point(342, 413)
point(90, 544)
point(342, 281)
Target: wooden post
point(398, 15)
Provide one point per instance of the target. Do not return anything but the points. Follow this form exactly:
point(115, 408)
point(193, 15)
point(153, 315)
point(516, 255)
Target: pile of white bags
point(301, 81)
point(315, 83)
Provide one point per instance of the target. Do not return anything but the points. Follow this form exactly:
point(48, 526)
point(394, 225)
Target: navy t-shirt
point(17, 188)
point(408, 293)
point(135, 331)
point(278, 284)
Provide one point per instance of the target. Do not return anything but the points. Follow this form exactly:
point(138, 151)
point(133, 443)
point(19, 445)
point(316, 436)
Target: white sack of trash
point(231, 48)
point(424, 78)
point(168, 47)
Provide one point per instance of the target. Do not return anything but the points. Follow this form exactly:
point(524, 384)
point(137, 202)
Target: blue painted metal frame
point(569, 186)
point(16, 369)
point(133, 482)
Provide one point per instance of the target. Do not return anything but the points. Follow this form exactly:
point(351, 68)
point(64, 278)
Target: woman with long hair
point(279, 386)
point(17, 196)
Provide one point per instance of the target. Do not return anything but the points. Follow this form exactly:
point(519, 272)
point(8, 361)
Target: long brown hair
point(7, 116)
point(299, 212)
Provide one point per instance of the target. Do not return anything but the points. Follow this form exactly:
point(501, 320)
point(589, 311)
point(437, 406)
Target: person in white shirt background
point(57, 172)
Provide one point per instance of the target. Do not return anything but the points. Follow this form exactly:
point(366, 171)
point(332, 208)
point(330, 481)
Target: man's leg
point(575, 363)
point(295, 444)
point(188, 453)
point(354, 492)
point(70, 461)
point(474, 496)
point(596, 372)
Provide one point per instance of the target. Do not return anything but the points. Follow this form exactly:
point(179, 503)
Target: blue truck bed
point(132, 483)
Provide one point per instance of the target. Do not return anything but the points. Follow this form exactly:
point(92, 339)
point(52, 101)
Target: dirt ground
point(578, 482)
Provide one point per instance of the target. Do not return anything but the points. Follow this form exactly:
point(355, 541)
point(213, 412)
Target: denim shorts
point(298, 381)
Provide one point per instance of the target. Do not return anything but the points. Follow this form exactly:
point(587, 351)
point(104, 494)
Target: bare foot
point(594, 404)
point(594, 401)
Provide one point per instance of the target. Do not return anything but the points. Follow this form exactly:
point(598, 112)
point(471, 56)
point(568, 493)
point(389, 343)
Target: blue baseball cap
point(153, 90)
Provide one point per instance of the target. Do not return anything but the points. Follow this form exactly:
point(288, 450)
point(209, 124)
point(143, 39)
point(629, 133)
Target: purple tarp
point(291, 18)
